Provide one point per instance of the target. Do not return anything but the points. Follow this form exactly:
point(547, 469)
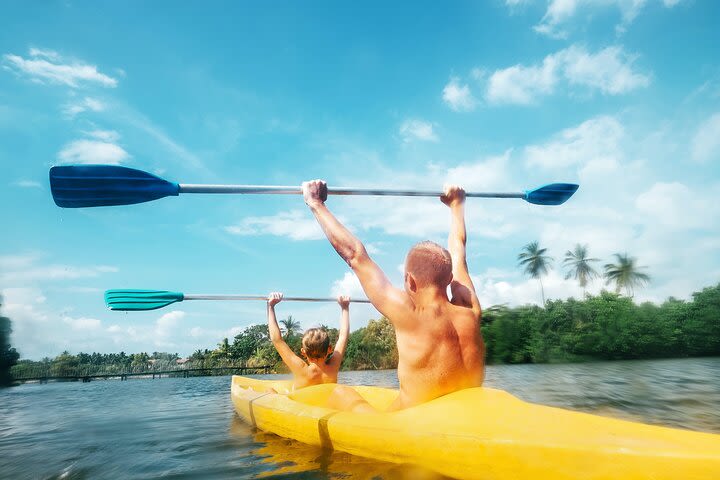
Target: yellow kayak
point(481, 433)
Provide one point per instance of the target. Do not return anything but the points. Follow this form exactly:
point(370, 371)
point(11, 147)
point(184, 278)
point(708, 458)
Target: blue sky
point(621, 96)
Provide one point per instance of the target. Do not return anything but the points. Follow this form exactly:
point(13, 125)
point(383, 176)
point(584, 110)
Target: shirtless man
point(320, 366)
point(440, 346)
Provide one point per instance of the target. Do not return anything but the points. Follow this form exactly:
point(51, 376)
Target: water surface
point(186, 427)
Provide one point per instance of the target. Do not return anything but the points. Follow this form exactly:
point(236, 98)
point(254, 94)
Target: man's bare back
point(439, 343)
point(441, 355)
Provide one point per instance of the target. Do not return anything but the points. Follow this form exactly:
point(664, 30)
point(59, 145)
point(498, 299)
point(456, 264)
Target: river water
point(186, 427)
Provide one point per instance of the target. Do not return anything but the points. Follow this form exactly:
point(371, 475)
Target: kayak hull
point(481, 433)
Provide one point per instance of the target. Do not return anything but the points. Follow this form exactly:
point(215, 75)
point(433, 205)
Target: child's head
point(316, 344)
point(427, 265)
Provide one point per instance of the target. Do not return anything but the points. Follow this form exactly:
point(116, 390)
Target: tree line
point(607, 326)
point(8, 355)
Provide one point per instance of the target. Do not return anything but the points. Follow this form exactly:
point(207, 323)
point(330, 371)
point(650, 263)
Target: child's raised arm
point(293, 362)
point(341, 344)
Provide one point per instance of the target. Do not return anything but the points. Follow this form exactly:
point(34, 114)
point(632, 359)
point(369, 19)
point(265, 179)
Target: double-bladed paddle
point(137, 300)
point(75, 186)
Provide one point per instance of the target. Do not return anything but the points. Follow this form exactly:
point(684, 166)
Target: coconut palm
point(290, 326)
point(579, 266)
point(536, 263)
point(625, 274)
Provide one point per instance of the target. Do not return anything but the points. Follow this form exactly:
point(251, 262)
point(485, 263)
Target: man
point(439, 343)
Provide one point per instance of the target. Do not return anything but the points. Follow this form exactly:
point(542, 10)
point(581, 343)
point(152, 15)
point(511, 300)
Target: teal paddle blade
point(553, 194)
point(76, 186)
point(134, 300)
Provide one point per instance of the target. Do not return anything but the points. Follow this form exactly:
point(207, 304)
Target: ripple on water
point(186, 428)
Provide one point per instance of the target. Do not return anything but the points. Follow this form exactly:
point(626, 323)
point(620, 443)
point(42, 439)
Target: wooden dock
point(149, 374)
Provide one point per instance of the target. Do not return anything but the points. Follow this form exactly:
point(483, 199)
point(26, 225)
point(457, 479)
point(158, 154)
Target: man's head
point(427, 265)
point(315, 344)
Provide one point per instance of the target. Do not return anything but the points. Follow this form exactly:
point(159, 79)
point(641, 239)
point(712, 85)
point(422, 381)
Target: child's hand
point(274, 298)
point(344, 301)
point(453, 195)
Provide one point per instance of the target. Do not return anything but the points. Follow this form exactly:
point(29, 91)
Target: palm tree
point(223, 350)
point(290, 326)
point(536, 263)
point(625, 274)
point(579, 266)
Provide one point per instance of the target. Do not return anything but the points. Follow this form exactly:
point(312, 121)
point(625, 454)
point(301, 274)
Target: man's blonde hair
point(429, 264)
point(316, 342)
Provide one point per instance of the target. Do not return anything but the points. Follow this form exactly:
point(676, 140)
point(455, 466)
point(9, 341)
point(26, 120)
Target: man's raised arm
point(462, 288)
point(386, 298)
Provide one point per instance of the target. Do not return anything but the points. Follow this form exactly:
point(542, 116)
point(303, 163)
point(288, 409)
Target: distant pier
point(86, 376)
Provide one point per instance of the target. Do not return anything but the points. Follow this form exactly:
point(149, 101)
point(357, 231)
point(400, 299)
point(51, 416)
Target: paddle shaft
point(288, 190)
point(265, 297)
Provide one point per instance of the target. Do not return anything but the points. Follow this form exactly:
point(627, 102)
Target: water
point(186, 428)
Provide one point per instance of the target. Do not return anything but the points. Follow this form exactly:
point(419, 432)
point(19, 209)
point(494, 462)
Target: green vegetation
point(604, 327)
point(81, 364)
point(371, 347)
point(608, 326)
point(8, 355)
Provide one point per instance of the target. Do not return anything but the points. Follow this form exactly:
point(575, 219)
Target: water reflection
point(291, 459)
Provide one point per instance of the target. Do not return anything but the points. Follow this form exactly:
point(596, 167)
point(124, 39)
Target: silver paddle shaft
point(262, 189)
point(265, 297)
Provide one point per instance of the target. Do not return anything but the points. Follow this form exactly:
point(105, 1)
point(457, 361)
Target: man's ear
point(303, 351)
point(412, 285)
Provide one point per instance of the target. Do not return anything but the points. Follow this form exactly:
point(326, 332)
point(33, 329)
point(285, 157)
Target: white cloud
point(349, 284)
point(706, 142)
point(49, 54)
point(86, 104)
point(458, 97)
point(489, 173)
point(609, 71)
point(27, 184)
point(424, 218)
point(25, 269)
point(168, 323)
point(521, 85)
point(92, 151)
point(104, 135)
point(24, 306)
point(560, 13)
point(45, 66)
point(82, 323)
point(677, 207)
point(295, 224)
point(595, 143)
point(415, 129)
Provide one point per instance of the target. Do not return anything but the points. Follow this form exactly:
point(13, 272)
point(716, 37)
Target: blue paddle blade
point(553, 194)
point(134, 300)
point(75, 186)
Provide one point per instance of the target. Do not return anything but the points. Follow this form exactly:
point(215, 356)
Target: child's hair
point(316, 342)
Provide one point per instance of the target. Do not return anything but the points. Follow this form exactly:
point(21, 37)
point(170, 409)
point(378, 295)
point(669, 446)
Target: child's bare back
point(323, 361)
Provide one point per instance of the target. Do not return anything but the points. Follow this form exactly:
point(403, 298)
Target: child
point(440, 347)
point(321, 367)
